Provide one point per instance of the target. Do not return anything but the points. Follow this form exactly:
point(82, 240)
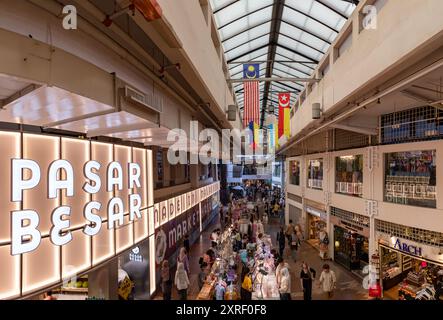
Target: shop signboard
point(178, 206)
point(321, 214)
point(164, 216)
point(420, 250)
point(164, 244)
point(171, 208)
point(156, 215)
point(70, 204)
point(349, 225)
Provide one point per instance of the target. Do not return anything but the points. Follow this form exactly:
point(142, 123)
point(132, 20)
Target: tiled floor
point(349, 287)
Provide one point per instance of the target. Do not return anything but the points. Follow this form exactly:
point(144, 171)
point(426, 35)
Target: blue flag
point(251, 71)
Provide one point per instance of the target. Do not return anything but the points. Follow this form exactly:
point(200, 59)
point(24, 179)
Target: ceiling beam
point(225, 6)
point(332, 9)
point(277, 14)
point(361, 130)
point(312, 18)
point(243, 16)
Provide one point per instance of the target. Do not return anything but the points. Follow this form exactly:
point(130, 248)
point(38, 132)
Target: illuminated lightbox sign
point(26, 174)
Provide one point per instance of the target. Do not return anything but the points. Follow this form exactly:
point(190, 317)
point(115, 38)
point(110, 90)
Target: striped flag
point(251, 95)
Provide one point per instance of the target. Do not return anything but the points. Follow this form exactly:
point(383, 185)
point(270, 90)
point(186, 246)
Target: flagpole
point(274, 79)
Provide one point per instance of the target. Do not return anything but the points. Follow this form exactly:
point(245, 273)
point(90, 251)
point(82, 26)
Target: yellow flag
point(256, 134)
point(287, 127)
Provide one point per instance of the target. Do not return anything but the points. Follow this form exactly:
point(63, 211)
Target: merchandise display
point(349, 175)
point(410, 178)
point(406, 278)
point(264, 278)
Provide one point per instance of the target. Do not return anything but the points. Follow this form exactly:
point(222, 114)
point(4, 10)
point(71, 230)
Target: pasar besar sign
point(26, 174)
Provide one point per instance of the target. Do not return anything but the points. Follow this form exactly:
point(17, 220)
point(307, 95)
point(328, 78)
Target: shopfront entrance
point(405, 272)
point(351, 249)
point(317, 226)
point(351, 240)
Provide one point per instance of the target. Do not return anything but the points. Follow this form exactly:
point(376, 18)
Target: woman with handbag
point(307, 276)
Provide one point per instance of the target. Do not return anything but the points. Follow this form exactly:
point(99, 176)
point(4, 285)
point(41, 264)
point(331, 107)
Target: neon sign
point(26, 174)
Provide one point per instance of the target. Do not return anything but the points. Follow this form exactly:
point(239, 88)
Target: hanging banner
point(284, 99)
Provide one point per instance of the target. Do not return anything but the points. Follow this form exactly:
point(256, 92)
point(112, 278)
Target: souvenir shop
point(316, 225)
point(351, 240)
point(409, 270)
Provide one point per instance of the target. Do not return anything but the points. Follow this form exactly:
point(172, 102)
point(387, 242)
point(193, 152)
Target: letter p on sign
point(70, 20)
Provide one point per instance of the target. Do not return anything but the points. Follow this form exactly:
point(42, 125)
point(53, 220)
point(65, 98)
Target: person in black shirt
point(186, 244)
point(307, 275)
point(281, 240)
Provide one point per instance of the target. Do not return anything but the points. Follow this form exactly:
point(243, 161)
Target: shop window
point(315, 174)
point(349, 175)
point(294, 172)
point(410, 178)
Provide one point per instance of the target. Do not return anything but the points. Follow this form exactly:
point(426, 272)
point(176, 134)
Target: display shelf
point(74, 290)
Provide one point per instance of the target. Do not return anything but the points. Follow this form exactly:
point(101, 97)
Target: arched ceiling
point(288, 37)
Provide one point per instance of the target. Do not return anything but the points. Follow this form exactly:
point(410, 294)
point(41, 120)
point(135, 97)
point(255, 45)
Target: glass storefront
point(350, 249)
point(315, 174)
point(294, 172)
point(135, 265)
point(349, 175)
point(410, 178)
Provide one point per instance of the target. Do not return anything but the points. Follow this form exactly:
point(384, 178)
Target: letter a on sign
point(70, 20)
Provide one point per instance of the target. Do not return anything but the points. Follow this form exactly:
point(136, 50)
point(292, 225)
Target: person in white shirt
point(182, 281)
point(328, 280)
point(285, 284)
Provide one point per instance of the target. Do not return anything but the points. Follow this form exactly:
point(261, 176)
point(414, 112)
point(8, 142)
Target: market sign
point(67, 205)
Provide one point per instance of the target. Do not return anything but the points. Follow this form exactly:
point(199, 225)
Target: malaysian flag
point(251, 94)
point(251, 114)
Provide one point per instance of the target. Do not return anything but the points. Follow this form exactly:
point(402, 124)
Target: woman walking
point(166, 280)
point(182, 281)
point(307, 275)
point(328, 280)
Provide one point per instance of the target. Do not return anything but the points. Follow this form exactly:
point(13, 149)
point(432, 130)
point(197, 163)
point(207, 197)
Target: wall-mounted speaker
point(316, 110)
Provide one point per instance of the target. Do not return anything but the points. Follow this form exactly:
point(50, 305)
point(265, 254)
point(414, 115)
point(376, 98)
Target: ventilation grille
point(294, 197)
point(148, 100)
point(422, 123)
point(348, 140)
point(410, 233)
point(358, 219)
